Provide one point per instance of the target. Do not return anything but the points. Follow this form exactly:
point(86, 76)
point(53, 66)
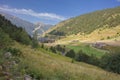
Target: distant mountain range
point(28, 26)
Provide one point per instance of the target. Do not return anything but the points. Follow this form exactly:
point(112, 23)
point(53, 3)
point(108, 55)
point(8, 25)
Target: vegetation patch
point(89, 50)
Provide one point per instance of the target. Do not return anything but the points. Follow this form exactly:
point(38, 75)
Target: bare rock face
point(7, 55)
point(27, 77)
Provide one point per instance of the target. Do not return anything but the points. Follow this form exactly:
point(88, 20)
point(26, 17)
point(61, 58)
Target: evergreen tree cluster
point(10, 33)
point(111, 62)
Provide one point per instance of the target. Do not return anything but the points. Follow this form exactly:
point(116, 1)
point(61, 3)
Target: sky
point(53, 11)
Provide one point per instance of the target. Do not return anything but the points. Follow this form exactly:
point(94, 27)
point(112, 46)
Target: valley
point(85, 47)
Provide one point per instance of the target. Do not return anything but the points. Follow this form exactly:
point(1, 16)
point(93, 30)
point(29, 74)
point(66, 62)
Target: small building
point(46, 40)
point(99, 45)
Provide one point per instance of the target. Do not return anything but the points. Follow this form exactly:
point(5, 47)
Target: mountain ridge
point(86, 23)
point(28, 26)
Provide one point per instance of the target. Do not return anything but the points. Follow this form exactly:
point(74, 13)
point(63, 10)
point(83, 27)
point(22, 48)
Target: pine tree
point(70, 54)
point(35, 40)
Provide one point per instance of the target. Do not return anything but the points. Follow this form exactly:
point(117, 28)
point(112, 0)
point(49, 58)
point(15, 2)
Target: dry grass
point(55, 67)
point(97, 35)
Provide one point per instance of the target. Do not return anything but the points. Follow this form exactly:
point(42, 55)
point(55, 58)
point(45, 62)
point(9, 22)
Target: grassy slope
point(97, 35)
point(87, 23)
point(51, 66)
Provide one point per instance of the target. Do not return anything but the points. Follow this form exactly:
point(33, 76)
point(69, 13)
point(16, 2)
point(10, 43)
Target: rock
point(6, 73)
point(7, 55)
point(27, 77)
point(14, 63)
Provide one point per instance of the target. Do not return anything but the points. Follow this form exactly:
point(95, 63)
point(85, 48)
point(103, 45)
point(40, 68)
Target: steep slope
point(42, 27)
point(87, 23)
point(19, 22)
point(13, 32)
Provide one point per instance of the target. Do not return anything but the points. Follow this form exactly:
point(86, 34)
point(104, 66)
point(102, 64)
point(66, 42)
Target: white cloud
point(32, 13)
point(118, 0)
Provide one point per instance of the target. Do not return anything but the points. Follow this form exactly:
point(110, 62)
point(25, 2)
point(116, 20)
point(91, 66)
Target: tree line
point(110, 61)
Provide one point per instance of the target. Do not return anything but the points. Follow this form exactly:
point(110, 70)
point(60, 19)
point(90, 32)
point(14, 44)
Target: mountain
point(87, 23)
point(19, 22)
point(28, 26)
point(42, 27)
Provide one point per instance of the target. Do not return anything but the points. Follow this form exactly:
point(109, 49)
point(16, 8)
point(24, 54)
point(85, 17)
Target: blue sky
point(53, 11)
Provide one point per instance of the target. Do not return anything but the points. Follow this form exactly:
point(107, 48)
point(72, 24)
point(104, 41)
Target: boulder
point(27, 77)
point(7, 55)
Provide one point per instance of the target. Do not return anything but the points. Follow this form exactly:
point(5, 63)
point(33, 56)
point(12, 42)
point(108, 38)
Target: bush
point(94, 60)
point(42, 45)
point(5, 40)
point(81, 56)
point(108, 37)
point(53, 49)
point(14, 51)
point(60, 49)
point(70, 54)
point(111, 62)
point(35, 43)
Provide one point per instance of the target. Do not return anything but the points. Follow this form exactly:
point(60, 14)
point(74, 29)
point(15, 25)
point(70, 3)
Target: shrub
point(35, 43)
point(42, 45)
point(94, 60)
point(108, 37)
point(111, 62)
point(53, 49)
point(5, 40)
point(14, 51)
point(81, 56)
point(61, 49)
point(70, 54)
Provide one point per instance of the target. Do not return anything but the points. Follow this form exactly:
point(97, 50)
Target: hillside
point(19, 22)
point(101, 34)
point(87, 23)
point(28, 26)
point(41, 64)
point(46, 65)
point(12, 32)
point(20, 61)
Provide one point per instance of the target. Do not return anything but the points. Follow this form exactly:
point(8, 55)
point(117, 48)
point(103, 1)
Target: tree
point(22, 36)
point(60, 49)
point(5, 40)
point(53, 49)
point(81, 56)
point(111, 62)
point(15, 33)
point(35, 40)
point(70, 54)
point(42, 45)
